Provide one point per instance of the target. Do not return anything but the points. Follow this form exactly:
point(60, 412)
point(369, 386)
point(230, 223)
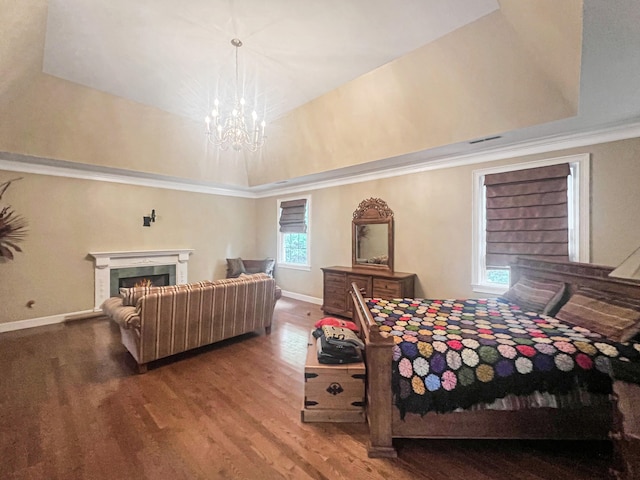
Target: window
point(492, 251)
point(293, 232)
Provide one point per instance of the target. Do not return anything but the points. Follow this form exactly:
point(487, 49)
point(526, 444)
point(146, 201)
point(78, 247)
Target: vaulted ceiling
point(177, 55)
point(346, 87)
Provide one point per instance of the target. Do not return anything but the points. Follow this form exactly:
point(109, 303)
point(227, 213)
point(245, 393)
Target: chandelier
point(234, 130)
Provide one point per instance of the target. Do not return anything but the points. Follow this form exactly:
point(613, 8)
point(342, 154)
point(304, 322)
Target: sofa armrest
point(127, 317)
point(124, 315)
point(110, 304)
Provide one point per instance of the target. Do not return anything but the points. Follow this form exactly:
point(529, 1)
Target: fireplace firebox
point(147, 276)
point(145, 281)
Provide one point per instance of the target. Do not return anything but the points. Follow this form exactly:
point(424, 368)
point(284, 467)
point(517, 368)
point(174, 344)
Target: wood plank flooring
point(72, 407)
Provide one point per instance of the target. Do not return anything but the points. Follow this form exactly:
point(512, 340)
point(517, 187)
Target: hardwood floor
point(72, 407)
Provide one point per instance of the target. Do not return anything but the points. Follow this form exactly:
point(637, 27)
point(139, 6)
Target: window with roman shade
point(294, 227)
point(293, 216)
point(527, 214)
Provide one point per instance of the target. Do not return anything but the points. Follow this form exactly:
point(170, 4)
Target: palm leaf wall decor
point(13, 227)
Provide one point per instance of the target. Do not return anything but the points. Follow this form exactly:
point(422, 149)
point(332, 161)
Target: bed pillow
point(235, 267)
point(612, 316)
point(535, 295)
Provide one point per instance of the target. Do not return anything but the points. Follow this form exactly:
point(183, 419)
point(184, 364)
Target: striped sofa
point(156, 322)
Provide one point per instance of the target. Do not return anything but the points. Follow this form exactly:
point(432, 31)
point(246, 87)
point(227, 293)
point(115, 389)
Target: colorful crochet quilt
point(451, 354)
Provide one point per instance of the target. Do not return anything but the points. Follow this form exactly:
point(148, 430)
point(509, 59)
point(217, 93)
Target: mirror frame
point(372, 211)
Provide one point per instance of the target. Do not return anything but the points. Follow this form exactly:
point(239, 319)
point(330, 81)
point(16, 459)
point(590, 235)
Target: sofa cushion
point(130, 296)
point(257, 266)
point(238, 266)
point(235, 267)
point(245, 277)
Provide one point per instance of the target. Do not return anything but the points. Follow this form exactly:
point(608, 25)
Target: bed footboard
point(378, 359)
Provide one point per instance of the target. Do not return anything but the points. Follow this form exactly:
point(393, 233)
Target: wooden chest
point(332, 393)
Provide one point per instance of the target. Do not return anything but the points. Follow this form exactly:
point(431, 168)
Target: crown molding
point(418, 163)
point(546, 145)
point(59, 168)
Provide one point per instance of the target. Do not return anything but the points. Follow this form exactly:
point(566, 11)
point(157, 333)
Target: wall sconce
point(146, 221)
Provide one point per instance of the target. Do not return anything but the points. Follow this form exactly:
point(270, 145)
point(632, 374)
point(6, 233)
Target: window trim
point(579, 213)
point(280, 245)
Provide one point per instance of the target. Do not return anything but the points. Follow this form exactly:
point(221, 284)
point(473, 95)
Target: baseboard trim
point(50, 320)
point(300, 296)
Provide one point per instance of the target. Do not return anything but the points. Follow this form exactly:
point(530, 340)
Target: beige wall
point(433, 220)
point(511, 69)
point(68, 218)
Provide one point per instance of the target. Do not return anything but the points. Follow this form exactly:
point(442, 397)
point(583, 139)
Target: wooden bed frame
point(383, 416)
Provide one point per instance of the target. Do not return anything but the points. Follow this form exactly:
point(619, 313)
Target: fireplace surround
point(110, 266)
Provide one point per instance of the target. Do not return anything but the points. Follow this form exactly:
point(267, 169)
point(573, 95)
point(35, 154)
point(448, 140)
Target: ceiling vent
point(480, 140)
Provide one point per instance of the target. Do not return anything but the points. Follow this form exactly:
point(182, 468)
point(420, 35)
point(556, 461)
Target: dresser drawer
point(363, 283)
point(335, 287)
point(383, 288)
point(335, 280)
point(333, 290)
point(336, 302)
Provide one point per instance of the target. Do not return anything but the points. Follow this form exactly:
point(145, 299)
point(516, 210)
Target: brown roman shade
point(292, 216)
point(527, 214)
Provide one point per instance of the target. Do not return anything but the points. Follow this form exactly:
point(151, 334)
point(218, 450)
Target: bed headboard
point(575, 275)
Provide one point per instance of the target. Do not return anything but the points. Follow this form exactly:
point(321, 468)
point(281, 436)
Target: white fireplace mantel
point(106, 261)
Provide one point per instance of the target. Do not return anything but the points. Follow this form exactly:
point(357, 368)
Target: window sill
point(293, 266)
point(495, 290)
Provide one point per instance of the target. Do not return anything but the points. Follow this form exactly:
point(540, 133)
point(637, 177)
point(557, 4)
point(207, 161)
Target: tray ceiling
point(177, 56)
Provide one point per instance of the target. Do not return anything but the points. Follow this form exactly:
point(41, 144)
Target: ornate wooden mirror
point(372, 235)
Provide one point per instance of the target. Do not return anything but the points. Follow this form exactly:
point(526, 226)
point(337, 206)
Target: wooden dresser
point(337, 281)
